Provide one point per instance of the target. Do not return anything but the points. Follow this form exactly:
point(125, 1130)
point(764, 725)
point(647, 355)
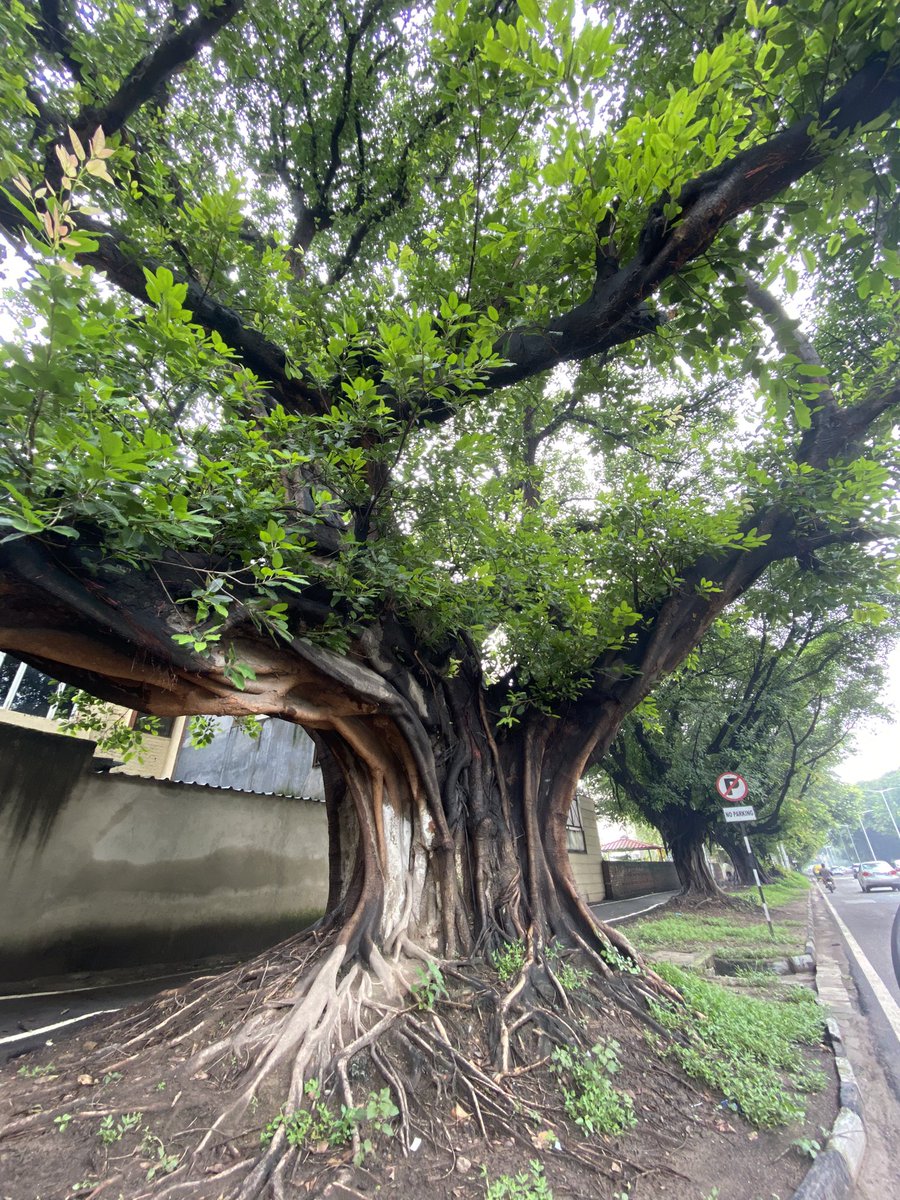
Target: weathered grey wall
point(116, 870)
point(626, 879)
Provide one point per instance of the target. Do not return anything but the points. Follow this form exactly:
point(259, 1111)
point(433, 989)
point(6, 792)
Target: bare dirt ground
point(113, 1111)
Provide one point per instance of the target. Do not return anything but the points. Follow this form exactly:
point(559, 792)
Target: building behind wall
point(281, 761)
point(28, 699)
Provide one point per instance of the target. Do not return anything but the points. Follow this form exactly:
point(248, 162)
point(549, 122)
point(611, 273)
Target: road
point(869, 918)
point(30, 1019)
point(864, 922)
point(855, 977)
point(613, 911)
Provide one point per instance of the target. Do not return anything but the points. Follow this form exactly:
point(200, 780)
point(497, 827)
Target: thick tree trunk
point(447, 839)
point(742, 861)
point(684, 836)
point(448, 832)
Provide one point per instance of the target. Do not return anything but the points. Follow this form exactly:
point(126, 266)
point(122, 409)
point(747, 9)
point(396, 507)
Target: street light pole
point(866, 836)
point(890, 810)
point(851, 838)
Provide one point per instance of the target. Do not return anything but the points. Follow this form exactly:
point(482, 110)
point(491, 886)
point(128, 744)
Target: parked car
point(878, 873)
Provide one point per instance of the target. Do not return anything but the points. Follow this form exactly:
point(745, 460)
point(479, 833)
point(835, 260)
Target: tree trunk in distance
point(684, 836)
point(742, 861)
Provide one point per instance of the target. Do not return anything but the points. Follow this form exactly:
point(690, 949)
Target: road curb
point(835, 1170)
point(807, 960)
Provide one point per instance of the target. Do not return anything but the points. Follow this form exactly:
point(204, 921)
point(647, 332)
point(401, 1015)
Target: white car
point(878, 873)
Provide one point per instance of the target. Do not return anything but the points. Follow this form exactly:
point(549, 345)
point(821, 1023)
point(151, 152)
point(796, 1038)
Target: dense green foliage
point(317, 260)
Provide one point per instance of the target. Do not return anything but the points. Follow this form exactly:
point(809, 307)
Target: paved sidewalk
point(612, 911)
point(871, 1047)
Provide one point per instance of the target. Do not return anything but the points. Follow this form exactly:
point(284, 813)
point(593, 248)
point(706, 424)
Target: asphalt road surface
point(865, 921)
point(66, 1006)
point(869, 917)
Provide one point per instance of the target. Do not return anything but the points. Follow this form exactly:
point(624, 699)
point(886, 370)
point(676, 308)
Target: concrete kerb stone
point(800, 963)
point(834, 1172)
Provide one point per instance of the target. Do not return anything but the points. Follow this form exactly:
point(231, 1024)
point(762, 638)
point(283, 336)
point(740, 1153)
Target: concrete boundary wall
point(626, 879)
point(114, 870)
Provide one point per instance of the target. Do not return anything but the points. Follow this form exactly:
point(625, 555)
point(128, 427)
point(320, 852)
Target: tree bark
point(742, 861)
point(684, 835)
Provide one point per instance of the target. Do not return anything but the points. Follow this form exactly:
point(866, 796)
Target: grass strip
point(791, 885)
point(685, 931)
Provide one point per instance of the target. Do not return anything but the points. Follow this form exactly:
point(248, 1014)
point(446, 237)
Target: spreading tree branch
point(616, 311)
point(175, 51)
point(52, 35)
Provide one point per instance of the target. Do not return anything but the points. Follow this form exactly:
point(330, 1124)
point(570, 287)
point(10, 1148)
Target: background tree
point(377, 371)
point(828, 806)
point(773, 693)
point(879, 810)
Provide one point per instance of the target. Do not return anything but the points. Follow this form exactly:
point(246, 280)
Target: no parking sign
point(732, 787)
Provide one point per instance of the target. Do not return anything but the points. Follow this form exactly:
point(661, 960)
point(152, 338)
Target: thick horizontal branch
point(123, 264)
point(616, 311)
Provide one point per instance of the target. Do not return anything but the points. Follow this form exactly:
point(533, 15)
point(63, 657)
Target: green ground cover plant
point(508, 960)
point(748, 1049)
point(305, 1127)
point(527, 1185)
point(789, 886)
point(590, 1099)
point(682, 931)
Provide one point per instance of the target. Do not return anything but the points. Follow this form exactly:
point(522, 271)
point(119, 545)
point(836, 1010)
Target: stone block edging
point(834, 1172)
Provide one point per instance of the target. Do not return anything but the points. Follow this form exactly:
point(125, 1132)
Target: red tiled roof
point(626, 843)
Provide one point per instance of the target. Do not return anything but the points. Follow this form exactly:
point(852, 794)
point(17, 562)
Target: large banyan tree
point(417, 373)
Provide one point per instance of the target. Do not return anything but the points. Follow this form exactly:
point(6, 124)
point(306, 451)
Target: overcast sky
point(877, 745)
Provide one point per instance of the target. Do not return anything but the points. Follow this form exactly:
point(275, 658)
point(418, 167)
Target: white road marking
point(636, 913)
point(30, 1033)
point(96, 987)
point(889, 1005)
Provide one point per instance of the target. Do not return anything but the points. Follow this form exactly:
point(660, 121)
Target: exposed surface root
point(337, 1061)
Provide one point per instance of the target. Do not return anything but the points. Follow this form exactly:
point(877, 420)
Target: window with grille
point(575, 829)
point(158, 726)
point(25, 690)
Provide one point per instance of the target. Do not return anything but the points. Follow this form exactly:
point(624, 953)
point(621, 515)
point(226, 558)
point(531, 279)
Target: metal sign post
point(759, 886)
point(733, 787)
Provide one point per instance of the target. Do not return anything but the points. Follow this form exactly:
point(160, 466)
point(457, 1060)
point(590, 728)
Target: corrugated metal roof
point(279, 762)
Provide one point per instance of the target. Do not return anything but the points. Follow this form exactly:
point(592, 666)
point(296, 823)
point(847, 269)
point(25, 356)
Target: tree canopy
point(318, 270)
point(430, 375)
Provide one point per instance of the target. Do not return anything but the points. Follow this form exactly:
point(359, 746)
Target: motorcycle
point(829, 883)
